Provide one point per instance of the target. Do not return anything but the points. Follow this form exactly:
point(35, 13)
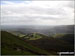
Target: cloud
point(37, 13)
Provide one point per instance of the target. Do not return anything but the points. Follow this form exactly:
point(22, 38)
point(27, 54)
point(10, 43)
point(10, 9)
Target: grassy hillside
point(57, 43)
point(13, 45)
point(33, 36)
point(36, 43)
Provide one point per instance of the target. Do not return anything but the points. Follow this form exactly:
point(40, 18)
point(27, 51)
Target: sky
point(37, 12)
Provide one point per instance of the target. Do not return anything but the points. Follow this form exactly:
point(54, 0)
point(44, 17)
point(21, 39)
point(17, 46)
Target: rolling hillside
point(33, 36)
point(36, 43)
point(13, 45)
point(57, 44)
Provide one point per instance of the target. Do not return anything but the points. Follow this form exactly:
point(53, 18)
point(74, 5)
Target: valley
point(17, 41)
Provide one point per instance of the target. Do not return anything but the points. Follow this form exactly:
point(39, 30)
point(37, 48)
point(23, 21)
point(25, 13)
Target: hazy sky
point(37, 12)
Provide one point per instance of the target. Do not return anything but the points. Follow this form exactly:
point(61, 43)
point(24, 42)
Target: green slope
point(33, 36)
point(13, 45)
point(57, 43)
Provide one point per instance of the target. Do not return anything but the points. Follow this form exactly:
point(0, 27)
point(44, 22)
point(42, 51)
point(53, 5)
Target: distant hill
point(34, 36)
point(69, 29)
point(46, 30)
point(49, 30)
